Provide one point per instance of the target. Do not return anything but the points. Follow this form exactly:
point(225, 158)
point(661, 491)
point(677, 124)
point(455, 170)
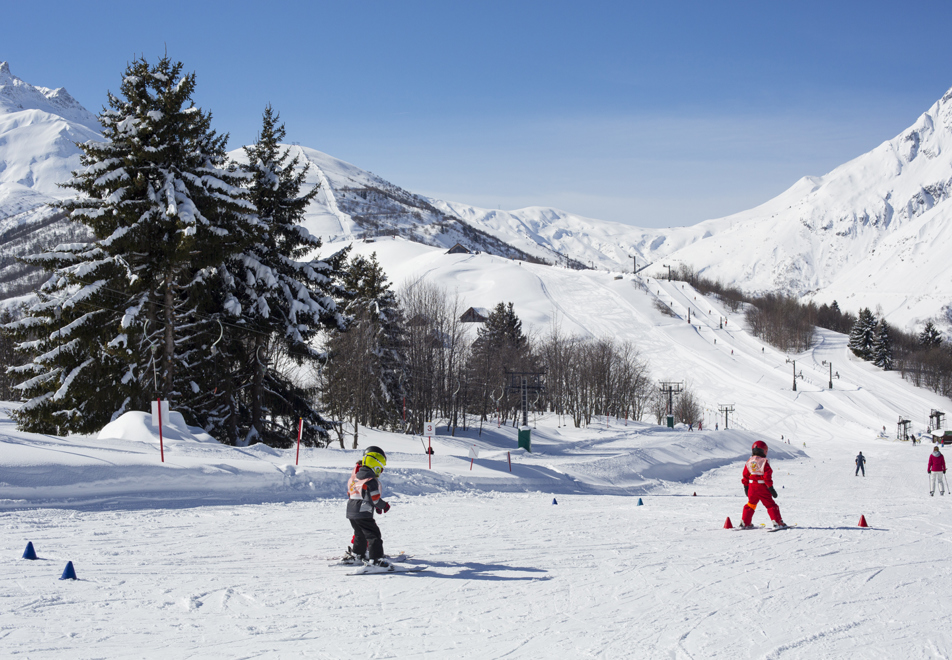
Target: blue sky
point(653, 114)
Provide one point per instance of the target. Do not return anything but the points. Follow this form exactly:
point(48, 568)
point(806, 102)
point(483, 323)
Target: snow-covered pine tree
point(124, 318)
point(930, 336)
point(863, 335)
point(366, 366)
point(500, 345)
point(882, 348)
point(287, 295)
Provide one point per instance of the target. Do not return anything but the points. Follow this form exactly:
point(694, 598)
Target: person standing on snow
point(758, 486)
point(860, 464)
point(936, 471)
point(349, 556)
point(363, 492)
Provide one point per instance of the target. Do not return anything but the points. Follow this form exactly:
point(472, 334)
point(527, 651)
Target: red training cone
point(862, 521)
point(695, 494)
point(727, 523)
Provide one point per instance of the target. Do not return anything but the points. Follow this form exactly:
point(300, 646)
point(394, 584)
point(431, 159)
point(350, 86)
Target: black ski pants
point(366, 533)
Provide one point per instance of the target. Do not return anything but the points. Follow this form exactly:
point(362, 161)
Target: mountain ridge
point(870, 233)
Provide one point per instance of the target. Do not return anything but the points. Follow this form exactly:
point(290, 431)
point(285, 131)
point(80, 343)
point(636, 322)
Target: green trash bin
point(524, 438)
point(670, 421)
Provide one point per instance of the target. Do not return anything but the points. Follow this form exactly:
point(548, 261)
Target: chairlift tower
point(522, 383)
point(902, 431)
point(725, 408)
point(670, 388)
point(936, 418)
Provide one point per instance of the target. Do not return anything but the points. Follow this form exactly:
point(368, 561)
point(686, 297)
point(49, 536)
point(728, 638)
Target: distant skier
point(363, 490)
point(758, 486)
point(936, 471)
point(860, 464)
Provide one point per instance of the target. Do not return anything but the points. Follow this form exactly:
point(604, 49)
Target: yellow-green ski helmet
point(375, 459)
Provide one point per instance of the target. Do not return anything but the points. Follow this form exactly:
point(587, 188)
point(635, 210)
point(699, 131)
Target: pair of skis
point(763, 525)
point(396, 566)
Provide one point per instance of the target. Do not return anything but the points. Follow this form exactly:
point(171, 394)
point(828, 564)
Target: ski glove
point(773, 492)
point(384, 508)
point(746, 487)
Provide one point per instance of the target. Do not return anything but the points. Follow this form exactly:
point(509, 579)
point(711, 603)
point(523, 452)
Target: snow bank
point(138, 427)
point(121, 465)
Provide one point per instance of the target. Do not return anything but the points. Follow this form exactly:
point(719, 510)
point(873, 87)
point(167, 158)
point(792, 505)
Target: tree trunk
point(168, 356)
point(257, 384)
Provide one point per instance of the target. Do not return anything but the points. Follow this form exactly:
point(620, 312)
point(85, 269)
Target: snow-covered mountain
point(876, 231)
point(38, 131)
point(356, 204)
point(873, 232)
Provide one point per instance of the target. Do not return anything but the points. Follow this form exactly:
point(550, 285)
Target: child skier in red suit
point(758, 486)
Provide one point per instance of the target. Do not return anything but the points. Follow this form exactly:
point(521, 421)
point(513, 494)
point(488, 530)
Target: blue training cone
point(69, 573)
point(29, 553)
point(553, 501)
point(640, 503)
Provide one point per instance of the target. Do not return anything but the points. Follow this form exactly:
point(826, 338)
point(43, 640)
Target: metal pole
point(161, 445)
point(831, 375)
point(525, 401)
point(794, 375)
point(300, 431)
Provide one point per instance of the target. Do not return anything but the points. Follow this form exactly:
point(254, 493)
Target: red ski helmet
point(760, 444)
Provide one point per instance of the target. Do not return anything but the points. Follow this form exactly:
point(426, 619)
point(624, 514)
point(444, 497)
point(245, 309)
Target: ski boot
point(380, 563)
point(350, 557)
point(779, 523)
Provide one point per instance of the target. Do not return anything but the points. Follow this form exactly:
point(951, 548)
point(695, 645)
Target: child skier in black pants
point(363, 492)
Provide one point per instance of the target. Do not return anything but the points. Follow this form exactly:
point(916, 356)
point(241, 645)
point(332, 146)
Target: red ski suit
point(758, 478)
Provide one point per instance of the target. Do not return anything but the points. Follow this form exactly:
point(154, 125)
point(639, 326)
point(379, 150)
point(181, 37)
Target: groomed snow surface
point(223, 552)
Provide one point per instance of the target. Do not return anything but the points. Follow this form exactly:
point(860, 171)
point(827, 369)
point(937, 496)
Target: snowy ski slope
point(223, 552)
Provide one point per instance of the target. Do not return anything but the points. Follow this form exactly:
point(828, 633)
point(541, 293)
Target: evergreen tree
point(863, 335)
point(929, 337)
point(7, 353)
point(366, 366)
point(502, 331)
point(882, 349)
point(500, 346)
point(120, 321)
point(285, 295)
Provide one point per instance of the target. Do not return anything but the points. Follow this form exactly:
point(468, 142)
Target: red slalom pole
point(509, 458)
point(300, 431)
point(161, 446)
